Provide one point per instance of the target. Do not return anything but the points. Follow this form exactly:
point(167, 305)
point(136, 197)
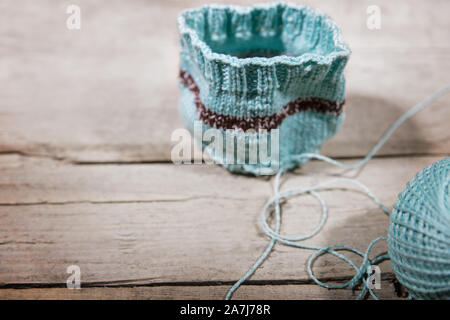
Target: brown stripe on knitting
point(268, 122)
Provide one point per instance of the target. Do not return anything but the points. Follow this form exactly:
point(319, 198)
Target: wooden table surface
point(86, 118)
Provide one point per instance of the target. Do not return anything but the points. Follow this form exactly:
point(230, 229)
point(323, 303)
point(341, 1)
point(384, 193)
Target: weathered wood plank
point(28, 180)
point(109, 92)
point(246, 292)
point(162, 223)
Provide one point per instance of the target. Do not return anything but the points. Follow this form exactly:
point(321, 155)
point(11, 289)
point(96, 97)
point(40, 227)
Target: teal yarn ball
point(419, 233)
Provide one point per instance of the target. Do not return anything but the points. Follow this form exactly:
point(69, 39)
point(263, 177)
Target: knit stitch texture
point(419, 233)
point(249, 63)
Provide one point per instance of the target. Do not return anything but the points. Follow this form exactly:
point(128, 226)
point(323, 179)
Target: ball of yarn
point(419, 233)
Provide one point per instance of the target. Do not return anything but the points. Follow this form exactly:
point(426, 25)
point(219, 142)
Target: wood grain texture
point(246, 292)
point(86, 119)
point(159, 224)
point(108, 92)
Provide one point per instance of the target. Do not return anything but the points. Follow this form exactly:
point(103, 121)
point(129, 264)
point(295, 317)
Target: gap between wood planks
point(143, 201)
point(387, 276)
point(68, 160)
point(252, 289)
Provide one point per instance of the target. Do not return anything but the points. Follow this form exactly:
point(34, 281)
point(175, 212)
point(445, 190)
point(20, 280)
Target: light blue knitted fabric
point(419, 233)
point(250, 62)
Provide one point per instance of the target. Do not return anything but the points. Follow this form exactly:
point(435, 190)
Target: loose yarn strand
point(274, 202)
point(268, 249)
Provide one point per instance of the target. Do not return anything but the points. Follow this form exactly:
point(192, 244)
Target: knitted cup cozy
point(269, 66)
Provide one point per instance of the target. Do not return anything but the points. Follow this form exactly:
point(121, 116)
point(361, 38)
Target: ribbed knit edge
point(258, 86)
